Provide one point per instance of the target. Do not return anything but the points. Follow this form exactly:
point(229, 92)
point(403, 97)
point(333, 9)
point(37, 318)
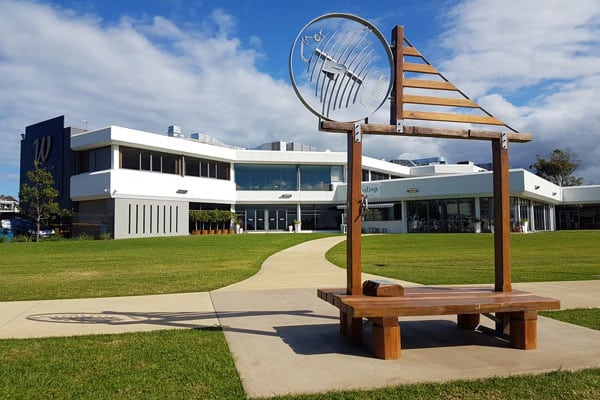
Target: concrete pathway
point(285, 340)
point(301, 266)
point(45, 318)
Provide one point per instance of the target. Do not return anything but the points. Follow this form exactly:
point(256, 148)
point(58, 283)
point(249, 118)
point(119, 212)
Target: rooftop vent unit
point(208, 139)
point(406, 163)
point(175, 131)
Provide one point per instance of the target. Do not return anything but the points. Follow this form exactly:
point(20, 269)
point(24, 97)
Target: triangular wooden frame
point(401, 49)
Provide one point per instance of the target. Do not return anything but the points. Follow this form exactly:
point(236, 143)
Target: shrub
point(105, 236)
point(83, 236)
point(21, 239)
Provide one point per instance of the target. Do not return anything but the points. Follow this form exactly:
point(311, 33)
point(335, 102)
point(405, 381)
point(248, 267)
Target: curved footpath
point(285, 340)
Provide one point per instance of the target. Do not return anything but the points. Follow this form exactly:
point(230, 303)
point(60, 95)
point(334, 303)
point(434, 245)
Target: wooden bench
point(515, 313)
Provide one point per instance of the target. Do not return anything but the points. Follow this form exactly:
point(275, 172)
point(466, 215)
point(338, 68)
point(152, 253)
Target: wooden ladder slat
point(411, 51)
point(449, 117)
point(427, 84)
point(423, 68)
point(439, 101)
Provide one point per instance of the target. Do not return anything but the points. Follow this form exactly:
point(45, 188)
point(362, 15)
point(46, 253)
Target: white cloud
point(148, 74)
point(536, 65)
point(514, 43)
point(141, 74)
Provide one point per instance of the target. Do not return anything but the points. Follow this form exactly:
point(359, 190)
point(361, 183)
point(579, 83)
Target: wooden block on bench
point(382, 288)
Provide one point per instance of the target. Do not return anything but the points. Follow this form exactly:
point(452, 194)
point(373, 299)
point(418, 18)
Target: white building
point(130, 183)
point(8, 204)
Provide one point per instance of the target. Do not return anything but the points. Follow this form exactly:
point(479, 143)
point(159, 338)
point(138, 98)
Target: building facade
point(130, 183)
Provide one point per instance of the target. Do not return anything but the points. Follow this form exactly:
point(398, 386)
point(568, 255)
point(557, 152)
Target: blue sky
point(221, 68)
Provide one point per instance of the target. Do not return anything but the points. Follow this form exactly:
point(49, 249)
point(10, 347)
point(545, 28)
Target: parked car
point(44, 232)
point(16, 225)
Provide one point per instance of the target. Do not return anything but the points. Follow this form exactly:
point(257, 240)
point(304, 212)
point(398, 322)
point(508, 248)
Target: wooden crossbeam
point(421, 131)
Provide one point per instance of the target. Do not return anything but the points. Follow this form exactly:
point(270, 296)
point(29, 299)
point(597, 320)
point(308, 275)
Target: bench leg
point(467, 321)
point(503, 322)
point(351, 327)
point(523, 330)
point(386, 338)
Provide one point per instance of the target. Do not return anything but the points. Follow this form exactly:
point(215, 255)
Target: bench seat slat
point(422, 301)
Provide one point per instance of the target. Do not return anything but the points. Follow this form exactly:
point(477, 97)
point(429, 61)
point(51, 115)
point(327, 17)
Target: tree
point(558, 168)
point(37, 199)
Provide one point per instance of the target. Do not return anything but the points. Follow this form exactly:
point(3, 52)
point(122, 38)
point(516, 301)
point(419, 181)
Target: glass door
point(260, 219)
point(277, 220)
point(271, 216)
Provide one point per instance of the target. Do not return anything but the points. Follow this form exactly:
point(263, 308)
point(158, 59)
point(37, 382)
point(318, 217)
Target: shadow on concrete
point(443, 333)
point(167, 319)
point(306, 339)
point(326, 338)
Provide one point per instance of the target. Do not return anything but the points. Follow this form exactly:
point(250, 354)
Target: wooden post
point(396, 96)
point(501, 215)
point(523, 330)
point(354, 218)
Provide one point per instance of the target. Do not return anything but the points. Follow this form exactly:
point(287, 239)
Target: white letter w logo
point(41, 148)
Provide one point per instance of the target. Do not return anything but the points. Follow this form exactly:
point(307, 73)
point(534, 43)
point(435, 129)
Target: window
point(102, 158)
point(83, 162)
point(130, 158)
point(170, 164)
point(378, 176)
point(384, 212)
point(315, 178)
point(212, 169)
point(93, 160)
point(444, 215)
point(146, 161)
point(266, 177)
point(159, 162)
point(320, 217)
point(204, 168)
point(192, 166)
point(156, 162)
point(365, 175)
point(223, 170)
point(337, 173)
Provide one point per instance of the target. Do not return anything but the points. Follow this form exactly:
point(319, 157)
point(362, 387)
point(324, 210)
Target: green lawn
point(196, 363)
point(588, 317)
point(88, 268)
point(75, 269)
point(171, 364)
point(434, 259)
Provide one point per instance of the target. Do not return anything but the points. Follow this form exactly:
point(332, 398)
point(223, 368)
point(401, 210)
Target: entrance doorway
point(268, 219)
